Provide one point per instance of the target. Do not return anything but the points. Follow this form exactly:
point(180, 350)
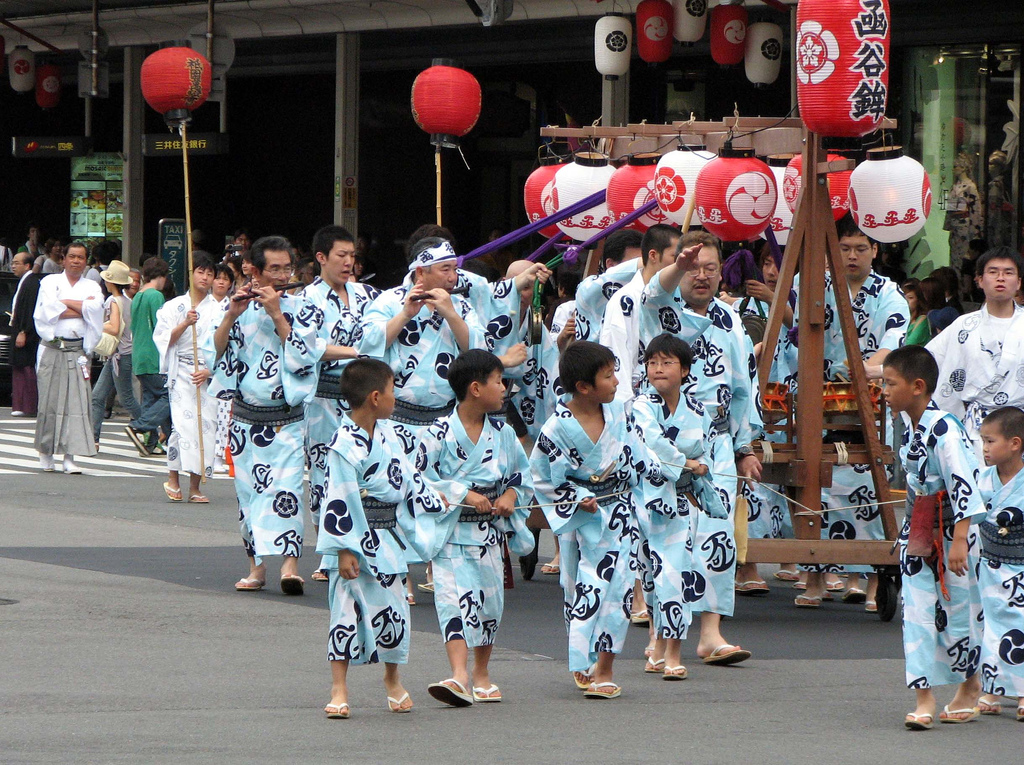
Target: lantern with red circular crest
point(782, 218)
point(22, 69)
point(48, 86)
point(736, 195)
point(728, 34)
point(631, 187)
point(175, 81)
point(537, 196)
point(890, 195)
point(676, 179)
point(588, 173)
point(838, 184)
point(445, 102)
point(842, 65)
point(654, 30)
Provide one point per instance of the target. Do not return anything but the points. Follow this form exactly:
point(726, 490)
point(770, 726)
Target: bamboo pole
point(437, 167)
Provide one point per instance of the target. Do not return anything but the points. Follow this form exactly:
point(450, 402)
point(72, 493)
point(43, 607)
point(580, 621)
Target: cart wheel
point(528, 563)
point(888, 596)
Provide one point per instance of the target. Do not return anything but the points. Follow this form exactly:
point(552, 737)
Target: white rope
point(842, 453)
point(767, 453)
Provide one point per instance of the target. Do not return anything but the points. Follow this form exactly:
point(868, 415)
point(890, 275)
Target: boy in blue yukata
point(587, 461)
point(475, 462)
point(371, 490)
point(941, 604)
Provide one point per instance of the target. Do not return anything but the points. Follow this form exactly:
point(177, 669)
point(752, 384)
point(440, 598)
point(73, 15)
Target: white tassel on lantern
point(586, 175)
point(691, 19)
point(613, 44)
point(676, 179)
point(762, 58)
point(890, 195)
point(782, 218)
point(22, 69)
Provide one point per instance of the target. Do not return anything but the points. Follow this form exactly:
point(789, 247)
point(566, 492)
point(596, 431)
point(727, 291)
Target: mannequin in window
point(964, 215)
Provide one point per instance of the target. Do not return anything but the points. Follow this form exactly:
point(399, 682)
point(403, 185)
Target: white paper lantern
point(890, 195)
point(676, 179)
point(782, 218)
point(613, 44)
point(22, 69)
point(691, 19)
point(762, 58)
point(587, 174)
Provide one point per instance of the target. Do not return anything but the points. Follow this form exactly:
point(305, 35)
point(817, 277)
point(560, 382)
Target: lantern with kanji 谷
point(47, 86)
point(782, 218)
point(537, 196)
point(631, 187)
point(838, 184)
point(842, 65)
point(22, 69)
point(613, 36)
point(654, 30)
point(445, 102)
point(890, 195)
point(762, 58)
point(736, 195)
point(175, 81)
point(586, 175)
point(676, 178)
point(728, 34)
point(689, 20)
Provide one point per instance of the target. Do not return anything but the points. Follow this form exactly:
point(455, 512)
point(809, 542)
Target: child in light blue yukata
point(1001, 573)
point(372, 490)
point(938, 555)
point(477, 463)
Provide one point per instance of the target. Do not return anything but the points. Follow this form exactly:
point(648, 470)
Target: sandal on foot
point(550, 569)
point(172, 494)
point(582, 680)
point(649, 651)
point(871, 607)
point(806, 601)
point(292, 585)
point(198, 499)
point(836, 586)
point(785, 575)
point(249, 585)
point(642, 618)
point(410, 599)
point(1020, 714)
point(653, 667)
point(602, 691)
point(395, 705)
point(426, 587)
point(726, 654)
point(320, 576)
point(946, 715)
point(855, 595)
point(451, 692)
point(918, 722)
point(675, 673)
point(487, 695)
point(337, 711)
point(798, 585)
point(752, 587)
point(993, 708)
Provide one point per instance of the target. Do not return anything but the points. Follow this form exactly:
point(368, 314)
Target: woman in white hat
point(117, 371)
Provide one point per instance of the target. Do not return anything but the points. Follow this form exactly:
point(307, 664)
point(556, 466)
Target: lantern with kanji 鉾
point(613, 36)
point(445, 102)
point(842, 65)
point(537, 193)
point(175, 81)
point(587, 174)
point(631, 187)
point(676, 178)
point(728, 34)
point(762, 58)
point(782, 218)
point(654, 30)
point(838, 184)
point(47, 86)
point(689, 19)
point(22, 69)
point(890, 195)
point(736, 195)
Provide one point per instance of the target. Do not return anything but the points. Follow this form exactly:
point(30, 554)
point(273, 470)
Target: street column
point(346, 132)
point(132, 236)
point(615, 101)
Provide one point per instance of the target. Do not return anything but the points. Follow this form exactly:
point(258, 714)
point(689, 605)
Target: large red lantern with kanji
point(842, 65)
point(890, 195)
point(654, 30)
point(445, 102)
point(537, 196)
point(48, 86)
point(175, 82)
point(736, 195)
point(728, 34)
point(838, 185)
point(631, 187)
point(587, 174)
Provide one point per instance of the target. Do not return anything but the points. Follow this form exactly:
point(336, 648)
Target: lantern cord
point(437, 168)
point(762, 129)
point(463, 157)
point(188, 285)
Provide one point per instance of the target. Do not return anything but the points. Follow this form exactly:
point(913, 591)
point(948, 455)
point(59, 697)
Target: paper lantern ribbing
point(175, 81)
point(838, 185)
point(586, 175)
point(842, 59)
point(890, 195)
point(47, 86)
point(762, 58)
point(676, 179)
point(728, 34)
point(689, 19)
point(782, 218)
point(22, 69)
point(631, 187)
point(537, 195)
point(736, 195)
point(654, 30)
point(445, 103)
point(613, 38)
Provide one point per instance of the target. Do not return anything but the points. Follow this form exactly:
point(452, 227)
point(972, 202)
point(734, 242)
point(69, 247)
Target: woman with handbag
point(116, 346)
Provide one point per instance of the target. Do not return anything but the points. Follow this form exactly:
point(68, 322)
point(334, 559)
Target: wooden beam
point(854, 552)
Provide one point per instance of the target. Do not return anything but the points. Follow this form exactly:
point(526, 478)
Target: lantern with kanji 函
point(762, 58)
point(728, 34)
point(890, 195)
point(587, 174)
point(22, 69)
point(838, 184)
point(782, 218)
point(676, 178)
point(47, 86)
point(175, 81)
point(537, 194)
point(654, 30)
point(445, 102)
point(842, 65)
point(736, 195)
point(631, 187)
point(613, 36)
point(689, 19)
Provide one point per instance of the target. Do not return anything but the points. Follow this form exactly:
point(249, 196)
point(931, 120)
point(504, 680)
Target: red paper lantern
point(728, 34)
point(47, 86)
point(842, 58)
point(890, 195)
point(654, 30)
point(838, 186)
point(537, 196)
point(445, 102)
point(175, 81)
point(631, 187)
point(736, 195)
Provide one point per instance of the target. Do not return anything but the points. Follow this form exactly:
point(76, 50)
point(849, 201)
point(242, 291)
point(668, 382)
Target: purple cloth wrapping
point(739, 268)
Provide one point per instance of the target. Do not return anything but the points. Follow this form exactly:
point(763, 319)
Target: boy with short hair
point(941, 605)
point(477, 464)
point(371, 487)
point(1001, 574)
point(586, 463)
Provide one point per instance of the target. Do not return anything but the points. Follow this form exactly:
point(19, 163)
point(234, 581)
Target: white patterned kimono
point(469, 570)
point(620, 331)
point(178, 363)
point(593, 295)
point(595, 547)
point(1001, 584)
point(372, 490)
point(269, 381)
point(941, 638)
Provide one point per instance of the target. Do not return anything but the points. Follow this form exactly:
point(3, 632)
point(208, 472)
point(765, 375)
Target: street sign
point(173, 247)
point(38, 147)
point(169, 145)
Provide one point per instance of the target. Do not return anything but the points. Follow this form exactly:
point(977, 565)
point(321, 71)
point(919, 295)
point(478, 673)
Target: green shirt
point(145, 358)
point(918, 333)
